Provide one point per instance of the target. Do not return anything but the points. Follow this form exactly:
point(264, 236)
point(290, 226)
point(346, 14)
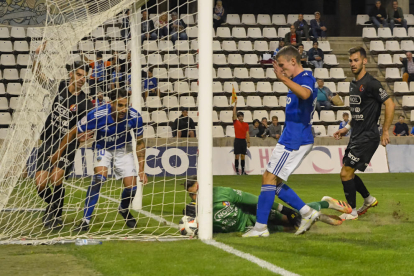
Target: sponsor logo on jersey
point(358, 117)
point(288, 100)
point(355, 99)
point(84, 121)
point(114, 138)
point(226, 203)
point(73, 107)
point(357, 109)
point(64, 160)
point(361, 88)
point(63, 111)
point(383, 93)
point(225, 212)
point(352, 157)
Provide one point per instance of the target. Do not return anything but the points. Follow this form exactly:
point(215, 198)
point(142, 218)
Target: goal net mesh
point(155, 60)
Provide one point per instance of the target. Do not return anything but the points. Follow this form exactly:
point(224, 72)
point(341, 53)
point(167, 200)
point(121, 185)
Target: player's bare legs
point(128, 195)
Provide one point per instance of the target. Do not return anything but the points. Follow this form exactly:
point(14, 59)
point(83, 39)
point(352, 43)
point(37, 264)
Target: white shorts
point(123, 160)
point(283, 162)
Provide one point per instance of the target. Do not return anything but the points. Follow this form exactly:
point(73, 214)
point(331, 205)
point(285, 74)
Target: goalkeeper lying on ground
point(235, 210)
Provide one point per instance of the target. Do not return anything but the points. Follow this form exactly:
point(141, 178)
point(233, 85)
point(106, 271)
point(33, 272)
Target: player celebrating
point(70, 104)
point(112, 123)
point(366, 96)
point(293, 146)
point(235, 210)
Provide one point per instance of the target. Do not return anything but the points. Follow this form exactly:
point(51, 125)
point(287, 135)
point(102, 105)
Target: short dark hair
point(150, 70)
point(119, 93)
point(240, 114)
point(290, 52)
point(275, 117)
point(99, 54)
point(300, 45)
point(359, 50)
point(189, 182)
point(78, 65)
point(315, 42)
point(402, 116)
point(345, 113)
point(256, 120)
point(264, 118)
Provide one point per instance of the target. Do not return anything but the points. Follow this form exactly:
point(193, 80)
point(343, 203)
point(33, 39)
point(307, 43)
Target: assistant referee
point(242, 140)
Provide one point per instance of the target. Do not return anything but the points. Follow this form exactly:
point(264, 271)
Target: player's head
point(409, 55)
point(288, 58)
point(300, 17)
point(345, 116)
point(394, 4)
point(401, 119)
point(191, 185)
point(78, 74)
point(357, 59)
point(315, 44)
point(240, 116)
point(320, 83)
point(275, 120)
point(317, 15)
point(292, 29)
point(119, 104)
point(378, 4)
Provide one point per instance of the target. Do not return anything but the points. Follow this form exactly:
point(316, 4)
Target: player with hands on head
point(366, 96)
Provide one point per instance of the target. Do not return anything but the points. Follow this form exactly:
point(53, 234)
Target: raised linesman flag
point(233, 96)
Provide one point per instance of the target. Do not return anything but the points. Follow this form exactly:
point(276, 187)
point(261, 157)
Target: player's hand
point(278, 71)
point(385, 138)
point(342, 132)
point(143, 177)
point(248, 144)
point(82, 137)
point(41, 47)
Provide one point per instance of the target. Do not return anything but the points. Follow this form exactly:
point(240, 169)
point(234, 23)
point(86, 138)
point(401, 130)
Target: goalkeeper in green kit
point(235, 210)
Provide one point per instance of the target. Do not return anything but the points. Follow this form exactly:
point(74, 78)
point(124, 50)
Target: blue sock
point(128, 195)
point(92, 196)
point(285, 193)
point(266, 199)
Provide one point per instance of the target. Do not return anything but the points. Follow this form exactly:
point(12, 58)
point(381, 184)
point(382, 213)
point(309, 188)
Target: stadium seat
point(412, 86)
point(182, 46)
point(249, 19)
point(264, 87)
point(160, 73)
point(217, 87)
point(407, 45)
point(229, 46)
point(4, 33)
point(340, 113)
point(118, 46)
point(263, 19)
point(376, 46)
point(169, 102)
point(292, 18)
point(220, 101)
point(282, 31)
point(315, 117)
point(327, 116)
point(343, 87)
point(148, 131)
point(159, 116)
point(187, 59)
point(100, 45)
point(150, 46)
point(412, 116)
point(307, 45)
point(248, 118)
point(331, 130)
point(10, 74)
point(270, 101)
point(235, 59)
point(164, 132)
point(172, 115)
point(280, 87)
point(4, 103)
point(176, 73)
point(273, 45)
point(216, 46)
point(384, 33)
point(233, 19)
point(194, 87)
point(3, 133)
point(145, 117)
point(270, 73)
point(282, 101)
point(254, 101)
point(188, 19)
point(229, 85)
point(153, 102)
point(5, 118)
point(337, 74)
point(331, 86)
point(409, 18)
point(320, 131)
point(362, 18)
point(308, 17)
point(401, 88)
point(257, 73)
point(165, 45)
point(260, 46)
point(113, 32)
point(224, 32)
point(330, 60)
point(26, 74)
point(22, 60)
point(8, 61)
point(247, 87)
point(229, 131)
point(400, 33)
point(270, 33)
point(278, 19)
point(2, 89)
point(18, 33)
point(245, 46)
point(384, 60)
point(192, 32)
point(260, 114)
point(224, 73)
point(155, 59)
point(392, 74)
point(164, 86)
point(239, 33)
point(408, 101)
point(254, 33)
point(171, 59)
point(325, 46)
point(251, 59)
point(14, 88)
point(21, 46)
point(392, 46)
point(226, 116)
point(321, 73)
point(218, 132)
point(369, 33)
point(187, 101)
point(241, 73)
point(181, 87)
point(6, 46)
point(411, 32)
point(14, 102)
point(346, 101)
point(280, 115)
point(99, 32)
point(35, 32)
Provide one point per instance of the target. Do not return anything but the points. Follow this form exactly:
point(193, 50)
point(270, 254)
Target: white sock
point(86, 220)
point(354, 212)
point(280, 207)
point(369, 199)
point(260, 226)
point(305, 210)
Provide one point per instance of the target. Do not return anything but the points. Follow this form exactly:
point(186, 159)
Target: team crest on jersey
point(128, 127)
point(226, 203)
point(73, 107)
point(361, 88)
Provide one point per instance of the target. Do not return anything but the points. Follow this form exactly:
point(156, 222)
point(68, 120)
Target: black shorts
point(359, 154)
point(47, 149)
point(240, 146)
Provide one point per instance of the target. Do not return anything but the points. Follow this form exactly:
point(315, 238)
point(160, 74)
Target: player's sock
point(360, 187)
point(128, 195)
point(350, 192)
point(266, 199)
point(236, 164)
point(318, 205)
point(58, 198)
point(92, 196)
point(242, 165)
point(45, 194)
point(285, 193)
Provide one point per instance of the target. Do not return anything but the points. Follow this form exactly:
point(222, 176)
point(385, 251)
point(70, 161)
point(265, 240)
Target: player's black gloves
point(190, 210)
point(293, 217)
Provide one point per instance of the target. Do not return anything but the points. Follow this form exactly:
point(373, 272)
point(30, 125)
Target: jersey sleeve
point(139, 130)
point(88, 122)
point(378, 92)
point(307, 82)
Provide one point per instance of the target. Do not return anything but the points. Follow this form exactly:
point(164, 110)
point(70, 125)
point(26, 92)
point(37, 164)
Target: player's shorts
point(284, 162)
point(240, 146)
point(66, 161)
point(123, 160)
point(359, 154)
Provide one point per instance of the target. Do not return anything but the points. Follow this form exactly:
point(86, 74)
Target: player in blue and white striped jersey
point(112, 123)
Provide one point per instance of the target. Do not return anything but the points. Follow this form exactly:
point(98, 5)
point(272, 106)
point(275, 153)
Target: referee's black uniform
point(365, 99)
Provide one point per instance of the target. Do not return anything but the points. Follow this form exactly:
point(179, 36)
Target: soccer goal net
point(81, 62)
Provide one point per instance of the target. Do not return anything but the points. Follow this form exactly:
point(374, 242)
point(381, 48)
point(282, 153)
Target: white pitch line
point(262, 263)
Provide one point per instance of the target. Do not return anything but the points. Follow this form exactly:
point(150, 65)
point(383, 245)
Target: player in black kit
point(366, 97)
point(69, 105)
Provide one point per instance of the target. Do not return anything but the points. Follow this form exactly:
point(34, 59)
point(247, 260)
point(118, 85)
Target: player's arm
point(140, 152)
point(342, 131)
point(247, 199)
point(389, 115)
point(69, 137)
point(302, 92)
point(235, 111)
point(248, 139)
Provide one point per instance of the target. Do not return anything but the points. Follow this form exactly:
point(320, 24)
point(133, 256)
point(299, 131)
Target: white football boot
point(253, 233)
point(367, 205)
point(348, 217)
point(307, 222)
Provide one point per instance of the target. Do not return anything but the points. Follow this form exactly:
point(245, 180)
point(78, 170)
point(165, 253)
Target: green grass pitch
point(378, 243)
